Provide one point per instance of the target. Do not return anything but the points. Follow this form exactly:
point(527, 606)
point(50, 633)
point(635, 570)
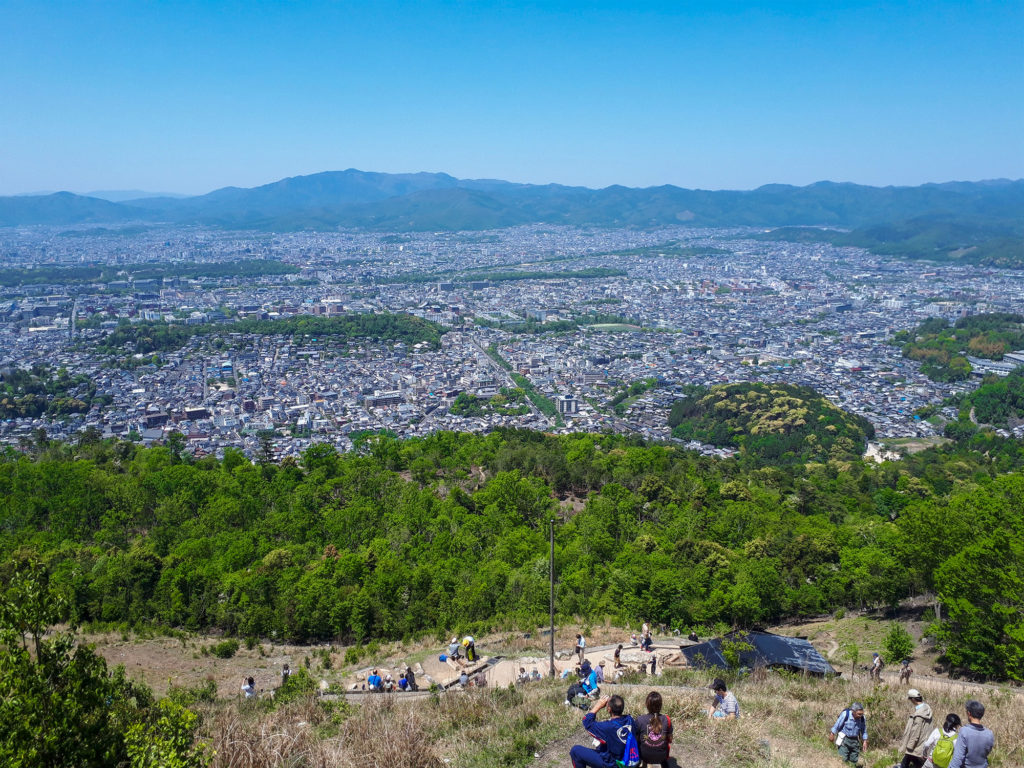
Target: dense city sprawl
point(557, 329)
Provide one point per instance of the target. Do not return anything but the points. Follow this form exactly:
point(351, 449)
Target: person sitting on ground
point(464, 679)
point(480, 680)
point(905, 671)
point(919, 725)
point(600, 673)
point(609, 734)
point(725, 704)
point(654, 732)
point(974, 741)
point(692, 637)
point(249, 687)
point(618, 654)
point(374, 682)
point(941, 742)
point(389, 683)
point(535, 674)
point(586, 686)
point(633, 638)
point(403, 683)
point(410, 675)
point(523, 676)
point(854, 729)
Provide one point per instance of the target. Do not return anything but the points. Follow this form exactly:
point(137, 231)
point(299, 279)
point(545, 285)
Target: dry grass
point(784, 722)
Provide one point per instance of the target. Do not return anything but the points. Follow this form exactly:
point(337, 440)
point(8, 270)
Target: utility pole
point(551, 575)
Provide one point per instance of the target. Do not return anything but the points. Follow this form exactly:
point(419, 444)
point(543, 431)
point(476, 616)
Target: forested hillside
point(451, 531)
point(942, 350)
point(772, 422)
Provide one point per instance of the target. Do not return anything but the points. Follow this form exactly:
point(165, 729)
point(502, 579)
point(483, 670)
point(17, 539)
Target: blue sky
point(191, 96)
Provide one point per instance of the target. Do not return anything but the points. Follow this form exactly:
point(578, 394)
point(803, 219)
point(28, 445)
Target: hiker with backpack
point(654, 733)
point(941, 743)
point(850, 733)
point(614, 739)
point(875, 673)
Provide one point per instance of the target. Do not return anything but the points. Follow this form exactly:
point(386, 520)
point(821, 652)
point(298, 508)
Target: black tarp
point(767, 650)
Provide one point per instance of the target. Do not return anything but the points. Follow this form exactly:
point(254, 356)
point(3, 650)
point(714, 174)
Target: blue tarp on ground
point(767, 650)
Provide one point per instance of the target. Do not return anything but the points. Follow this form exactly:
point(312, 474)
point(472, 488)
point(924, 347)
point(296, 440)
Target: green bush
point(225, 649)
point(898, 644)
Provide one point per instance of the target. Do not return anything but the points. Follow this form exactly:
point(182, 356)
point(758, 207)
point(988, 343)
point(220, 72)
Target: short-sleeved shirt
point(659, 741)
point(727, 705)
point(851, 726)
point(249, 690)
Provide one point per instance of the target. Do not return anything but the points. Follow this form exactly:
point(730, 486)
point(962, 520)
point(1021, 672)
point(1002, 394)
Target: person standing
point(618, 656)
point(854, 729)
point(875, 673)
point(974, 741)
point(610, 735)
point(942, 742)
point(919, 727)
point(581, 645)
point(249, 687)
point(654, 732)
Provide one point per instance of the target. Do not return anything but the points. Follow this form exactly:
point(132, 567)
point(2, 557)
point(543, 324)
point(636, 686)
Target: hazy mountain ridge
point(438, 201)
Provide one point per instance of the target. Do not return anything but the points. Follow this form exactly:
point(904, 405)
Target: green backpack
point(943, 751)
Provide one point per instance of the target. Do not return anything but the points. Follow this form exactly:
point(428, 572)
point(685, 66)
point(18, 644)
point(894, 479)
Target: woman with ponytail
point(654, 733)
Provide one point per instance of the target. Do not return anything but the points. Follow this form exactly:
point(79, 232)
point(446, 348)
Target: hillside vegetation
point(996, 242)
point(942, 350)
point(771, 422)
point(344, 547)
point(148, 337)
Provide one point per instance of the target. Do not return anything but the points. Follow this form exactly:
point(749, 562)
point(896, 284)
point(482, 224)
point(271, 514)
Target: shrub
point(898, 644)
point(225, 649)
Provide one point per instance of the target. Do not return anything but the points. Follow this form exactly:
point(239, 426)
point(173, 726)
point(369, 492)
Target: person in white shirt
point(949, 730)
point(249, 688)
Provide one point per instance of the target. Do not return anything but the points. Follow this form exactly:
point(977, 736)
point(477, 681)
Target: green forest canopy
point(342, 547)
point(773, 422)
point(942, 349)
point(384, 326)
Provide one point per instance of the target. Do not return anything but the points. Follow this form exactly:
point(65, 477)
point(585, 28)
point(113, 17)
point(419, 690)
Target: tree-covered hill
point(451, 532)
point(771, 422)
point(998, 401)
point(942, 350)
point(383, 326)
point(990, 241)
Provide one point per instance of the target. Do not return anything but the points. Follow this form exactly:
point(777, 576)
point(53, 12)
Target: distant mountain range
point(437, 201)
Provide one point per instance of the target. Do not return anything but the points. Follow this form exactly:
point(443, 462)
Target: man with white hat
point(919, 727)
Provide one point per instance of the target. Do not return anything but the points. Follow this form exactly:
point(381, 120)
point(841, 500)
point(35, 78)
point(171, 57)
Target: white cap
point(913, 693)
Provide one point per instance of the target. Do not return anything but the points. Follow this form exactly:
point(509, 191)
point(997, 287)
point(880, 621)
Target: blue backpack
point(631, 755)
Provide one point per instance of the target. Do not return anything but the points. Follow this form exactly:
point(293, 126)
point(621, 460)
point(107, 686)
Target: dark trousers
point(576, 689)
point(911, 761)
point(650, 756)
point(584, 757)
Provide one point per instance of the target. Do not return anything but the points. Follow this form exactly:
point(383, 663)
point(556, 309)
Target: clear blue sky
point(190, 96)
